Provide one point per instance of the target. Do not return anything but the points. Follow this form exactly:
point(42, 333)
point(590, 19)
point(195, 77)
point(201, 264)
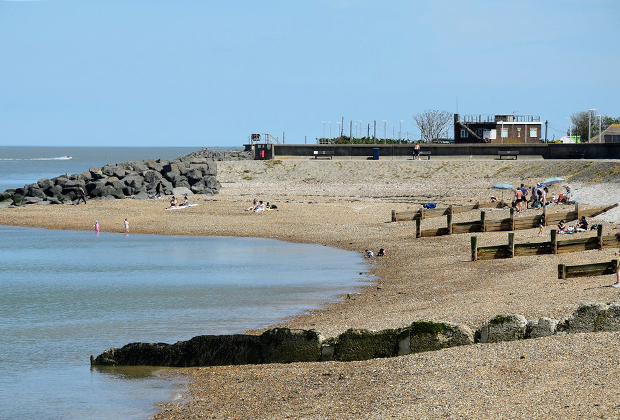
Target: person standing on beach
point(617, 283)
point(518, 200)
point(158, 190)
point(96, 226)
point(81, 195)
point(126, 223)
point(416, 151)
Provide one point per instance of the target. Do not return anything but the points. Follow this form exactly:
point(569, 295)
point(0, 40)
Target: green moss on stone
point(501, 319)
point(428, 327)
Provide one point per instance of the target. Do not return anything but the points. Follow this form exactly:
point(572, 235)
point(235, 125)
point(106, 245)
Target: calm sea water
point(24, 165)
point(65, 295)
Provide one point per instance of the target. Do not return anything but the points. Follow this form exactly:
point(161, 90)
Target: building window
point(464, 134)
point(518, 131)
point(504, 133)
point(479, 132)
point(533, 132)
point(612, 138)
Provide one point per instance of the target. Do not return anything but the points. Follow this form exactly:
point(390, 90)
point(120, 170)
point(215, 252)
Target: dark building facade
point(497, 129)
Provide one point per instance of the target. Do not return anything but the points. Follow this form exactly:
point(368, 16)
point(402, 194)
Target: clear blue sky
point(209, 73)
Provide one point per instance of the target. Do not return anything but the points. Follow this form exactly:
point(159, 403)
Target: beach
point(348, 204)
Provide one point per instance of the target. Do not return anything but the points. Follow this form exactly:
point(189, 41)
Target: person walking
point(126, 223)
point(81, 195)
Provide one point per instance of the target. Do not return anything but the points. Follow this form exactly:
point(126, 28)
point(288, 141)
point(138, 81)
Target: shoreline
point(348, 205)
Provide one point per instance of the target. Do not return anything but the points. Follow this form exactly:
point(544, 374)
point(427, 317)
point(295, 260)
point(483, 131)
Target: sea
point(67, 295)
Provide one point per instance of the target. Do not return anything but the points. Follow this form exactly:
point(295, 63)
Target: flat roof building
point(497, 128)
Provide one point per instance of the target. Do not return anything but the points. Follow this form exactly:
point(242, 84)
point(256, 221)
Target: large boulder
point(116, 171)
point(181, 191)
point(592, 317)
point(428, 335)
point(360, 344)
point(503, 328)
point(283, 345)
point(542, 327)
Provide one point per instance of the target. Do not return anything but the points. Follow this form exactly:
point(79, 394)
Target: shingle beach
point(348, 204)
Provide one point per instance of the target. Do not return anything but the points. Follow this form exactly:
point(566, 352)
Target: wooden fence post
point(562, 271)
point(450, 209)
point(511, 244)
point(418, 227)
point(474, 248)
point(599, 236)
point(422, 213)
point(554, 241)
point(512, 218)
point(577, 210)
point(449, 217)
point(483, 221)
point(393, 215)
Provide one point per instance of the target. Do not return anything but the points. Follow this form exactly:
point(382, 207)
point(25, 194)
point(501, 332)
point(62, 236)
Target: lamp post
point(590, 122)
point(360, 125)
point(384, 131)
point(339, 124)
point(400, 130)
point(323, 122)
point(600, 126)
point(330, 129)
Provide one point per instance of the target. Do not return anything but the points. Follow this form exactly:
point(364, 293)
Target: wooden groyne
point(552, 246)
point(587, 270)
point(511, 223)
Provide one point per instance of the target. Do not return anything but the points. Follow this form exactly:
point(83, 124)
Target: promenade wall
point(546, 151)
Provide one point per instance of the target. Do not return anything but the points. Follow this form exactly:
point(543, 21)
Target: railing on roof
point(479, 119)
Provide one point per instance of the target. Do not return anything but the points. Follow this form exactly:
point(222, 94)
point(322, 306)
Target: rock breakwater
point(195, 173)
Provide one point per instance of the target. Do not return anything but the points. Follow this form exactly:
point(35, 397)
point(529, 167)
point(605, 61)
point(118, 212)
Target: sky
point(202, 73)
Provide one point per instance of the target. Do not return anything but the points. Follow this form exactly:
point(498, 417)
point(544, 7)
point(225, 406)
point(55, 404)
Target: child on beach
point(541, 225)
point(126, 223)
point(96, 226)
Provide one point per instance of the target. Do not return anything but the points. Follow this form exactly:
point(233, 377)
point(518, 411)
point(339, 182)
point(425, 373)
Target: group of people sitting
point(581, 226)
point(175, 203)
point(259, 206)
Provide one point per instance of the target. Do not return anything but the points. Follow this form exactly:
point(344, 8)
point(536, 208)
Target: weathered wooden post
point(393, 215)
point(554, 241)
point(483, 222)
point(599, 236)
point(422, 213)
point(562, 271)
point(474, 248)
point(449, 217)
point(511, 244)
point(512, 218)
point(577, 210)
point(418, 227)
point(450, 209)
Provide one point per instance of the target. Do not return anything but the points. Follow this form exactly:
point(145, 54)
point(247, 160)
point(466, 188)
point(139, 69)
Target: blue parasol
point(503, 187)
point(551, 181)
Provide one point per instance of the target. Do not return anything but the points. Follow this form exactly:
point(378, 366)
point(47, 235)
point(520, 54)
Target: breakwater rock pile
point(195, 173)
point(283, 345)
